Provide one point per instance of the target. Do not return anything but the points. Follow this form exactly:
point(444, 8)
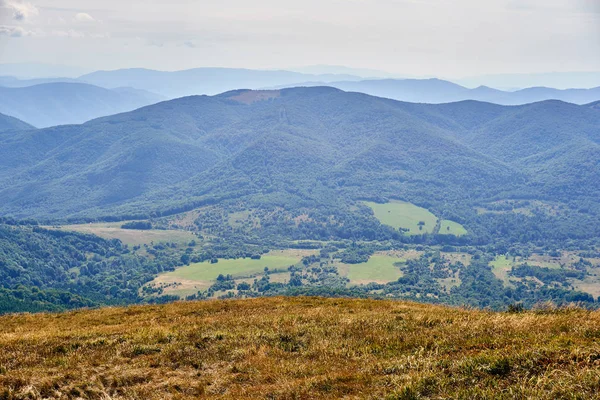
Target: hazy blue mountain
point(8, 123)
point(200, 81)
point(309, 146)
point(69, 103)
point(436, 91)
point(11, 81)
point(561, 80)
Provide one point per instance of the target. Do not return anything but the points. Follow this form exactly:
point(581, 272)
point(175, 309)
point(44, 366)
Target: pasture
point(399, 214)
point(501, 266)
point(191, 278)
point(379, 269)
point(131, 237)
point(448, 227)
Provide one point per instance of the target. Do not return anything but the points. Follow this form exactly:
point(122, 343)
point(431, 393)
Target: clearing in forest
point(379, 269)
point(448, 227)
point(199, 276)
point(417, 220)
point(132, 237)
point(399, 214)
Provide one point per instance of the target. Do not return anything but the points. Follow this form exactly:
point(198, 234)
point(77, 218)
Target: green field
point(399, 214)
point(448, 227)
point(378, 269)
point(237, 268)
point(501, 266)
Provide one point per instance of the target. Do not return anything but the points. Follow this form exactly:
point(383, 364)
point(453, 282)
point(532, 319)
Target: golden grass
point(300, 348)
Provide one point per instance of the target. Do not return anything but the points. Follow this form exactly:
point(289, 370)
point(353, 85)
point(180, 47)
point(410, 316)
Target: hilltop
point(299, 348)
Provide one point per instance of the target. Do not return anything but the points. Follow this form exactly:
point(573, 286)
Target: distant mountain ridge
point(63, 103)
point(436, 91)
point(212, 81)
point(198, 81)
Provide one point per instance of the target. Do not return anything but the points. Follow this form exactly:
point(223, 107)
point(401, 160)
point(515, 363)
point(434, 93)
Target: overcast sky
point(412, 37)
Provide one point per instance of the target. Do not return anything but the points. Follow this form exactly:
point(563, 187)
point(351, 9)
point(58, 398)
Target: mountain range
point(200, 81)
point(436, 91)
point(45, 102)
point(212, 81)
point(304, 147)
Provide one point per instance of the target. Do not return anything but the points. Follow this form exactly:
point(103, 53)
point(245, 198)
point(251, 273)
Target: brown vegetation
point(297, 348)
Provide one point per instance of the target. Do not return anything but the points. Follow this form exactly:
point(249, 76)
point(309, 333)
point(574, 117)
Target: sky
point(443, 38)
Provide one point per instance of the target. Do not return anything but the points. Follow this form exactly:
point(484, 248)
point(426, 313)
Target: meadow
point(448, 227)
point(379, 269)
point(418, 220)
point(298, 348)
point(191, 278)
point(399, 214)
point(132, 237)
point(501, 266)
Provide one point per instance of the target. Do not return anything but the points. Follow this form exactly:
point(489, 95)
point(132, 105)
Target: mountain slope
point(305, 149)
point(69, 103)
point(8, 123)
point(181, 148)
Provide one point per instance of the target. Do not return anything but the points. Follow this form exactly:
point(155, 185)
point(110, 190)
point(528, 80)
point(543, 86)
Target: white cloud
point(14, 31)
point(84, 17)
point(21, 10)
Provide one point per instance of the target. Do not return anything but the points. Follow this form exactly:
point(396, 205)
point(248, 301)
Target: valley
point(304, 191)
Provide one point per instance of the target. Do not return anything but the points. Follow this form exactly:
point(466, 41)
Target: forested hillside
point(8, 123)
point(316, 150)
point(43, 269)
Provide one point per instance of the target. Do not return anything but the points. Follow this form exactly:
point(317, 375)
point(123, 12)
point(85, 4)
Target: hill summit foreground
point(300, 348)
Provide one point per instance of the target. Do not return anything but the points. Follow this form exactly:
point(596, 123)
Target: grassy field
point(379, 268)
point(448, 227)
point(399, 214)
point(501, 266)
point(237, 268)
point(300, 348)
point(132, 237)
point(190, 279)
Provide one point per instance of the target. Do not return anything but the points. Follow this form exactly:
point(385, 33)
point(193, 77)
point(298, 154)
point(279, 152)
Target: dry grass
point(299, 348)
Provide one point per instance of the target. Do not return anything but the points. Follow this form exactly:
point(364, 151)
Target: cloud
point(20, 10)
point(71, 33)
point(189, 44)
point(14, 31)
point(84, 17)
